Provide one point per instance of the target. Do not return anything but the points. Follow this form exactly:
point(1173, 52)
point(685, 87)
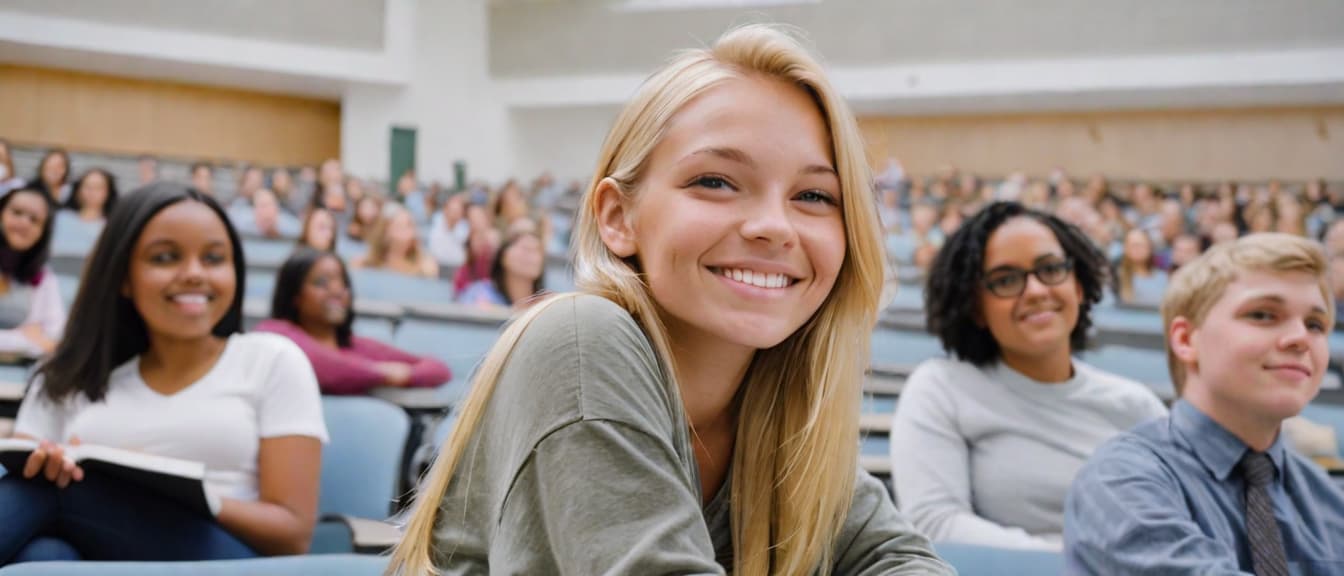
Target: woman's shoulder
point(1117, 390)
point(588, 353)
point(260, 347)
point(937, 372)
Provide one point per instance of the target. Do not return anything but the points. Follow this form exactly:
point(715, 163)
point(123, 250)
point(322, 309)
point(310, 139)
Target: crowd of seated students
point(1181, 220)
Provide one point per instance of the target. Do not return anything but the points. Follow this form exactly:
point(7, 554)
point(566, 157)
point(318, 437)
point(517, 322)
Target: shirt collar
point(1216, 448)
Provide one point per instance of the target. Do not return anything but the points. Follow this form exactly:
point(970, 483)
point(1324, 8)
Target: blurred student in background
point(313, 306)
point(53, 175)
point(394, 245)
point(32, 315)
point(319, 230)
point(94, 197)
point(516, 275)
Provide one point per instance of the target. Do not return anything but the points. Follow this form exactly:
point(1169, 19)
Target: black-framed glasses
point(1010, 282)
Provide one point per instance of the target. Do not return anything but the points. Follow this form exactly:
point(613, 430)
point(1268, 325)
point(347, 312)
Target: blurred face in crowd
point(368, 210)
point(307, 174)
point(400, 234)
point(324, 299)
point(1034, 325)
point(149, 170)
point(333, 198)
point(354, 190)
point(1184, 249)
point(181, 277)
point(951, 221)
point(1172, 222)
point(332, 173)
point(478, 218)
point(454, 209)
point(923, 217)
point(202, 179)
point(1187, 195)
point(281, 183)
point(1260, 219)
point(1144, 199)
point(1291, 218)
point(54, 171)
point(524, 258)
point(406, 184)
point(266, 211)
point(321, 230)
point(92, 192)
point(738, 223)
point(253, 180)
point(1138, 247)
point(23, 219)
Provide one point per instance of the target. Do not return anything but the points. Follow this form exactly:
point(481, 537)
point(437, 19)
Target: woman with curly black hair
point(985, 443)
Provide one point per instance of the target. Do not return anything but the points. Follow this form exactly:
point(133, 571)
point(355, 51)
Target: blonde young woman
point(394, 245)
point(694, 410)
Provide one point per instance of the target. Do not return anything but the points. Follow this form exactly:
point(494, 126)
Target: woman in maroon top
point(313, 307)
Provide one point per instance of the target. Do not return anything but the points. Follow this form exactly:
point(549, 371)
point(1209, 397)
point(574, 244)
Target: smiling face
point(23, 219)
point(1037, 324)
point(738, 223)
point(1262, 348)
point(181, 278)
point(54, 171)
point(321, 230)
point(324, 297)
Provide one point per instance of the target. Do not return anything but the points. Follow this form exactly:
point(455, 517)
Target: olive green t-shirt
point(582, 465)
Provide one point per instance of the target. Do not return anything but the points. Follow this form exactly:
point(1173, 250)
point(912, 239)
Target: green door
point(403, 154)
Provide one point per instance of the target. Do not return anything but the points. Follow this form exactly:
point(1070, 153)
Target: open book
point(179, 480)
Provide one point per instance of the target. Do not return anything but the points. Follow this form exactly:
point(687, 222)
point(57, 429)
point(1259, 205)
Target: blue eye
point(817, 196)
point(712, 182)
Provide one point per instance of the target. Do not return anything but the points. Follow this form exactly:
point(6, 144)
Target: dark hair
point(73, 201)
point(198, 165)
point(497, 271)
point(104, 329)
point(289, 283)
point(951, 299)
point(27, 266)
point(41, 184)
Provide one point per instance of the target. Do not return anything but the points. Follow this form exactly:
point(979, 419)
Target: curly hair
point(952, 296)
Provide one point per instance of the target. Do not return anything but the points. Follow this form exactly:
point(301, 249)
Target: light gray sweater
point(582, 465)
point(986, 456)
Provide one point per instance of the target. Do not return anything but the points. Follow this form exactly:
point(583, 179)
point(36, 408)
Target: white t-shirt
point(262, 386)
point(986, 455)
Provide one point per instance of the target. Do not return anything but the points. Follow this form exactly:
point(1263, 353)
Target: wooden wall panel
point(130, 116)
point(1244, 144)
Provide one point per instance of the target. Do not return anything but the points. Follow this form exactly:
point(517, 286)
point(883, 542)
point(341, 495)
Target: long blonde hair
point(797, 438)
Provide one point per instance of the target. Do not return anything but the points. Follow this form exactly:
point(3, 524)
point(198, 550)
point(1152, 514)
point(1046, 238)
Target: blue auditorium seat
point(361, 467)
point(1330, 415)
point(899, 347)
point(970, 560)
point(380, 329)
point(460, 345)
point(387, 286)
point(266, 253)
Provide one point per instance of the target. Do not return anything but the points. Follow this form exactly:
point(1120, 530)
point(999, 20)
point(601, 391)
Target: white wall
point(564, 142)
point(450, 100)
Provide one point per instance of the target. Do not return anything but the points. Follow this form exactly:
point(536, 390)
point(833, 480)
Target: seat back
point(362, 462)
point(970, 560)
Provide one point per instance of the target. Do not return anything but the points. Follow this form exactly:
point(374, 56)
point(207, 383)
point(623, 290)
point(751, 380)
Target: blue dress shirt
point(1165, 498)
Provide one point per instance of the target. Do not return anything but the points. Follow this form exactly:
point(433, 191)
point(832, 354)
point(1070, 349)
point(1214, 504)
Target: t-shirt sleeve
point(876, 539)
point(610, 501)
point(41, 418)
point(291, 404)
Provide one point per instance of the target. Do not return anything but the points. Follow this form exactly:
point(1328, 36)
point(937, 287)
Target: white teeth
point(190, 298)
point(758, 279)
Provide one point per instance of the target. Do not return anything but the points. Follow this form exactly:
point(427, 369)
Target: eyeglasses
point(1011, 282)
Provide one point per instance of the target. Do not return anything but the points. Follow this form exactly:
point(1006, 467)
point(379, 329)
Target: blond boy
point(1212, 488)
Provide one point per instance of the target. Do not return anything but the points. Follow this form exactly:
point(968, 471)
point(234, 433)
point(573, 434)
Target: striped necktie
point(1267, 555)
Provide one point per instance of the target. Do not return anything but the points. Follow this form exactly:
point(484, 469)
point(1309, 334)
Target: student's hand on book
point(50, 461)
point(395, 373)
